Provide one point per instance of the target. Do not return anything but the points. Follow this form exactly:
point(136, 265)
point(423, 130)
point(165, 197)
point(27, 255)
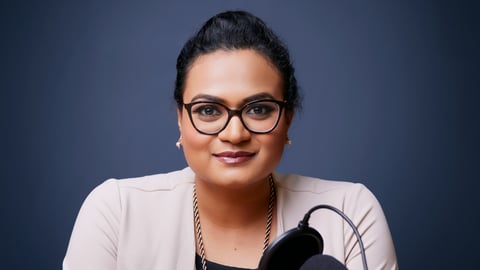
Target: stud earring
point(289, 142)
point(179, 142)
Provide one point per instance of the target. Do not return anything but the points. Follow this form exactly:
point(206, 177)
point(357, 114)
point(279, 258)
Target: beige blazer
point(147, 222)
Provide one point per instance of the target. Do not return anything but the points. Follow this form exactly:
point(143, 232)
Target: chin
point(239, 176)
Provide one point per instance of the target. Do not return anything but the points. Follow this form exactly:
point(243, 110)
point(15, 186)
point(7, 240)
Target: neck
point(233, 207)
point(233, 222)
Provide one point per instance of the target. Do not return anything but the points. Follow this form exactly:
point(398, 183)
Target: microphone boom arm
point(304, 224)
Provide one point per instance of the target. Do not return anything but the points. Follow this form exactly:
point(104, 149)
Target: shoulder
point(299, 193)
point(115, 193)
point(157, 182)
point(295, 183)
point(148, 183)
point(140, 195)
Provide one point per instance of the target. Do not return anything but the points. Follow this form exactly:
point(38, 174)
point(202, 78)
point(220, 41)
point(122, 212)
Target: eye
point(206, 111)
point(261, 110)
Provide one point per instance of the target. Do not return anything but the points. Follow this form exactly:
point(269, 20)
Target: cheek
point(192, 141)
point(275, 141)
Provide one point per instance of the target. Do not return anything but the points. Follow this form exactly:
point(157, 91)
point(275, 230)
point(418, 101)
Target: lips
point(231, 157)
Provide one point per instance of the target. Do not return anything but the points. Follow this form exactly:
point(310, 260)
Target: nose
point(235, 132)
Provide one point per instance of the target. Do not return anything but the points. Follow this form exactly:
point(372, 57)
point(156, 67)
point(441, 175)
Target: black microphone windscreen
point(322, 262)
point(291, 249)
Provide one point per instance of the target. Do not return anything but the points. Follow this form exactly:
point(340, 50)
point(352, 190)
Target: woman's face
point(234, 156)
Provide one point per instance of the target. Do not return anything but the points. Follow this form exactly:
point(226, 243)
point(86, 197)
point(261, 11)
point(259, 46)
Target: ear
point(289, 117)
point(179, 120)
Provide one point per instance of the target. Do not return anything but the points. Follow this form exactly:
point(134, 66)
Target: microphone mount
point(304, 224)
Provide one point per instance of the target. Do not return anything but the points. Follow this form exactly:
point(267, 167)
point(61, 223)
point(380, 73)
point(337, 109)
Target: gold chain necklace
point(198, 229)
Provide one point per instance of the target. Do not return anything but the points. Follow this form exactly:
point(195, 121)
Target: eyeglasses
point(210, 118)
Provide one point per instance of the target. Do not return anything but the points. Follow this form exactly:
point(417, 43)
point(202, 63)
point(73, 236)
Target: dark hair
point(233, 30)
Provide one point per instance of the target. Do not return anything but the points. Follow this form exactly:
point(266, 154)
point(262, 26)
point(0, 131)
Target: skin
point(227, 185)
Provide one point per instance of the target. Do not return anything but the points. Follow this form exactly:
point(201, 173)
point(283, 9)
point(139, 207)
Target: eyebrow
point(221, 100)
point(258, 97)
point(207, 98)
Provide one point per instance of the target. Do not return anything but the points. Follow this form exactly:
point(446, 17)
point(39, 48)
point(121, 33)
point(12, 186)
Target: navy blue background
point(390, 101)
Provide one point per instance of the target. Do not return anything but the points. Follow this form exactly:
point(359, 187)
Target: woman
point(236, 94)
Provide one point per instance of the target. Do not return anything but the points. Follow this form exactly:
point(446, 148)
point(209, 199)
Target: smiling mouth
point(230, 157)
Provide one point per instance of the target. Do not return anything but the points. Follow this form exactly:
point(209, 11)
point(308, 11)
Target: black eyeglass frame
point(231, 113)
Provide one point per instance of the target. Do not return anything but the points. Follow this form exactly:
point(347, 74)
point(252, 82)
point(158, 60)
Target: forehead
point(232, 76)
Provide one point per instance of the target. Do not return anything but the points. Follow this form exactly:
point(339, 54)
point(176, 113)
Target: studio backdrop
point(389, 90)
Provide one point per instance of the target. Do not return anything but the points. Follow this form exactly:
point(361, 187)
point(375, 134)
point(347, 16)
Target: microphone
point(324, 262)
point(291, 249)
point(303, 246)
